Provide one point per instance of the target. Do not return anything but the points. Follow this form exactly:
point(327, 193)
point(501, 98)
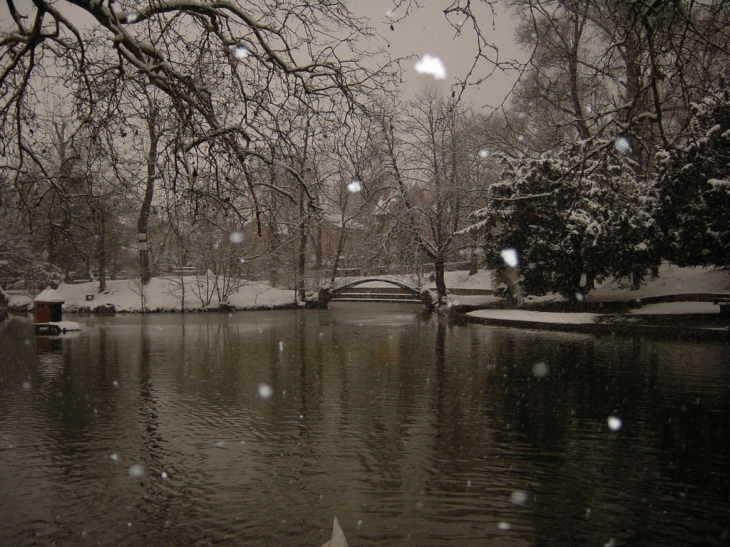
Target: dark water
point(411, 430)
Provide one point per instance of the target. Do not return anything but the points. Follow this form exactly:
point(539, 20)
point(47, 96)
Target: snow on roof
point(49, 296)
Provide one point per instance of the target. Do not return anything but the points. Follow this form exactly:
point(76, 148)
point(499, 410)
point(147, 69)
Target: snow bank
point(677, 308)
point(166, 294)
point(536, 316)
point(671, 280)
point(462, 280)
point(16, 300)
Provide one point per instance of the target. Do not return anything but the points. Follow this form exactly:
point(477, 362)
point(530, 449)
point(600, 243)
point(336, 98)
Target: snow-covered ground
point(537, 316)
point(672, 308)
point(671, 280)
point(165, 294)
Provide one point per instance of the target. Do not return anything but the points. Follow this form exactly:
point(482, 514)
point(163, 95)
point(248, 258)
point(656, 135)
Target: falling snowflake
point(518, 497)
point(265, 391)
point(136, 471)
point(432, 66)
point(614, 423)
point(510, 257)
point(622, 145)
point(540, 370)
point(241, 53)
point(354, 187)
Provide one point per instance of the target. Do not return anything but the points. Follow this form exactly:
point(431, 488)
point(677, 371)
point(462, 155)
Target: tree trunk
point(338, 254)
point(144, 212)
point(318, 244)
point(439, 270)
point(474, 263)
point(302, 269)
point(102, 251)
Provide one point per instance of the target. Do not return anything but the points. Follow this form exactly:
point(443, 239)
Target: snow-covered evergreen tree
point(694, 185)
point(574, 216)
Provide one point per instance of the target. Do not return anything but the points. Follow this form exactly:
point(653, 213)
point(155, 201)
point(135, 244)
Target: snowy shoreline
point(190, 294)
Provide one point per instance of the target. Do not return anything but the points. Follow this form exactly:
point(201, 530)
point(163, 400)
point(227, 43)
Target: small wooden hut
point(48, 307)
point(49, 314)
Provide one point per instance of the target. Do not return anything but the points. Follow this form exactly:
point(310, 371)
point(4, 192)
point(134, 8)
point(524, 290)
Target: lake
point(257, 428)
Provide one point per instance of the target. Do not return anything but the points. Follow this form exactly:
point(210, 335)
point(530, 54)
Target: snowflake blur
point(354, 187)
point(241, 53)
point(265, 391)
point(540, 370)
point(136, 471)
point(483, 153)
point(518, 497)
point(614, 423)
point(510, 257)
point(432, 66)
point(235, 237)
point(622, 145)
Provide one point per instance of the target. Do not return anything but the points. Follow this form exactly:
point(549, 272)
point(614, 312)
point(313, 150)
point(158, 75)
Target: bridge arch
point(410, 288)
point(326, 294)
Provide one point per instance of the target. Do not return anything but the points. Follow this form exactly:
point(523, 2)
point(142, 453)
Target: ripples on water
point(412, 431)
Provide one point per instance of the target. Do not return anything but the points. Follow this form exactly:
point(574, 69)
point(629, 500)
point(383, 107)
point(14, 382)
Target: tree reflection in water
point(409, 428)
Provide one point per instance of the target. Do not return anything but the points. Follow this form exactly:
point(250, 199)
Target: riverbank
point(706, 326)
point(162, 294)
point(680, 301)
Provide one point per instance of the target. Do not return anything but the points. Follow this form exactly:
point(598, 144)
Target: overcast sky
point(424, 31)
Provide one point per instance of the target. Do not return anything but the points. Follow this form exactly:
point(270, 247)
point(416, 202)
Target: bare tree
point(432, 161)
point(601, 69)
point(229, 71)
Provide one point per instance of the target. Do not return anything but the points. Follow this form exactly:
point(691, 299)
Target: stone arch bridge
point(406, 283)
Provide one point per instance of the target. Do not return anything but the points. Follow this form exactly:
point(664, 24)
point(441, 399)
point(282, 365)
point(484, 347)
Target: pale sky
point(424, 31)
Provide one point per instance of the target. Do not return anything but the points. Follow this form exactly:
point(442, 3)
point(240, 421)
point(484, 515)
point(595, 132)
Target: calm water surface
point(157, 430)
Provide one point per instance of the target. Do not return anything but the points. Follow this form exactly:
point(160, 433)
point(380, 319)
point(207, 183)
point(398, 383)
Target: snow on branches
point(576, 215)
point(694, 187)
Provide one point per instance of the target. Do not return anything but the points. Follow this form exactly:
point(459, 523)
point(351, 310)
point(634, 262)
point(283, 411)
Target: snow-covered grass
point(165, 294)
point(536, 316)
point(15, 299)
point(671, 280)
point(677, 308)
point(462, 280)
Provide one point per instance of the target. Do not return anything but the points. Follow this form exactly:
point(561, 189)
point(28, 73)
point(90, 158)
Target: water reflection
point(410, 429)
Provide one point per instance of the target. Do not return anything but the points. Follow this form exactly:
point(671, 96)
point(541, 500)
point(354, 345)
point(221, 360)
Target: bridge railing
point(401, 269)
